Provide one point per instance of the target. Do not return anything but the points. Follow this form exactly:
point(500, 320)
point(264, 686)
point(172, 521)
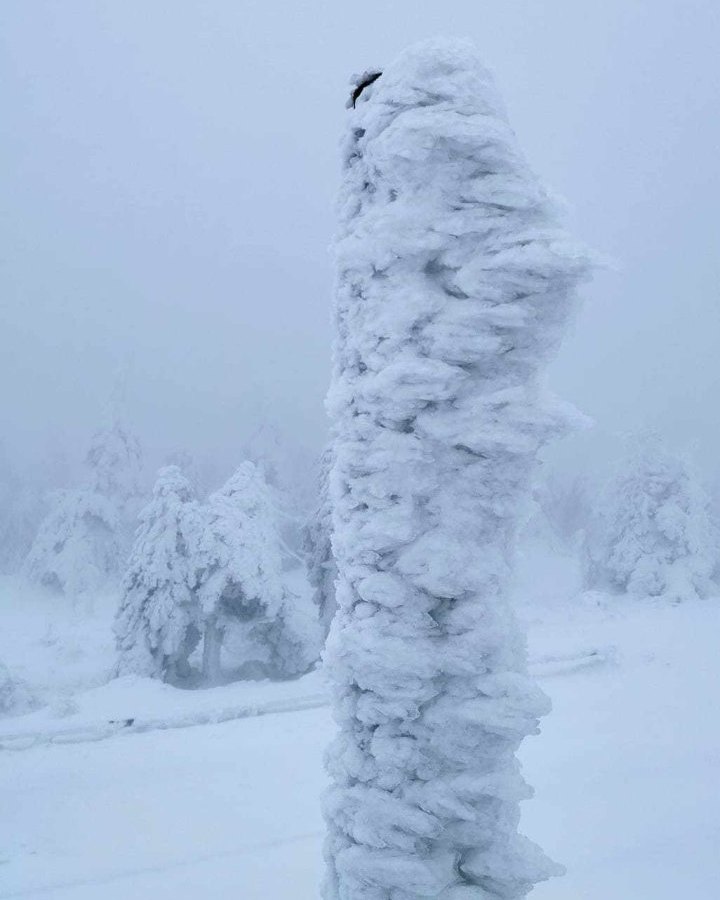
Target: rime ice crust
point(454, 283)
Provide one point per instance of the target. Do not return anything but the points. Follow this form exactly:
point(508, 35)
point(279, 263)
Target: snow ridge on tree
point(653, 536)
point(454, 285)
point(160, 620)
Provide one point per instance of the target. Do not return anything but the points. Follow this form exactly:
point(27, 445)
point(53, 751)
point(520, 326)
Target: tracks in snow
point(541, 667)
point(86, 733)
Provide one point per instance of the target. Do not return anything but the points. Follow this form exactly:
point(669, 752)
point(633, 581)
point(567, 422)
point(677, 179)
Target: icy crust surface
point(454, 283)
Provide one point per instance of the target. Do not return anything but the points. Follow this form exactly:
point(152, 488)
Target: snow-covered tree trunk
point(212, 646)
point(317, 545)
point(454, 283)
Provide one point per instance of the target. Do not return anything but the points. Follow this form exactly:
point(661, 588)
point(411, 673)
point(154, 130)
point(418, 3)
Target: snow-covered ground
point(626, 770)
point(52, 647)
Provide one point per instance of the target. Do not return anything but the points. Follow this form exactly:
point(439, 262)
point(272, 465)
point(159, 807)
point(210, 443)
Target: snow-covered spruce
point(247, 607)
point(454, 283)
point(114, 463)
point(114, 466)
point(23, 506)
point(76, 550)
point(317, 546)
point(653, 535)
point(159, 622)
point(83, 542)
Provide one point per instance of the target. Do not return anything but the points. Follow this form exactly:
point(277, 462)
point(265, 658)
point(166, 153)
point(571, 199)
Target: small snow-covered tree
point(7, 690)
point(244, 598)
point(114, 458)
point(24, 502)
point(23, 506)
point(188, 465)
point(454, 284)
point(114, 462)
point(285, 466)
point(566, 502)
point(159, 622)
point(653, 535)
point(75, 551)
point(317, 546)
point(83, 542)
point(15, 697)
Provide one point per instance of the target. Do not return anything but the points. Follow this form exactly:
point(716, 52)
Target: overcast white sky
point(167, 179)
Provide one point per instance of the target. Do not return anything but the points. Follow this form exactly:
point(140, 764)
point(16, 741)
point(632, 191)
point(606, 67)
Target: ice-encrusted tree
point(76, 550)
point(653, 535)
point(114, 463)
point(243, 594)
point(23, 506)
point(317, 546)
point(159, 622)
point(114, 459)
point(83, 542)
point(7, 690)
point(114, 471)
point(567, 505)
point(454, 282)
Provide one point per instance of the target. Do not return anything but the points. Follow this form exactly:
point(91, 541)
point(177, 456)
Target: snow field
point(626, 772)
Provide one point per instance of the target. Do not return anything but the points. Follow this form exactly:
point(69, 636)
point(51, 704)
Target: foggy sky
point(168, 174)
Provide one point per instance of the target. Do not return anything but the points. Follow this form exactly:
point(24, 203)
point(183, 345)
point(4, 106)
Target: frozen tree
point(7, 690)
point(75, 551)
point(566, 502)
point(114, 459)
point(114, 463)
point(454, 284)
point(82, 542)
point(15, 696)
point(188, 465)
point(653, 535)
point(271, 631)
point(286, 467)
point(159, 622)
point(24, 502)
point(317, 545)
point(22, 508)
